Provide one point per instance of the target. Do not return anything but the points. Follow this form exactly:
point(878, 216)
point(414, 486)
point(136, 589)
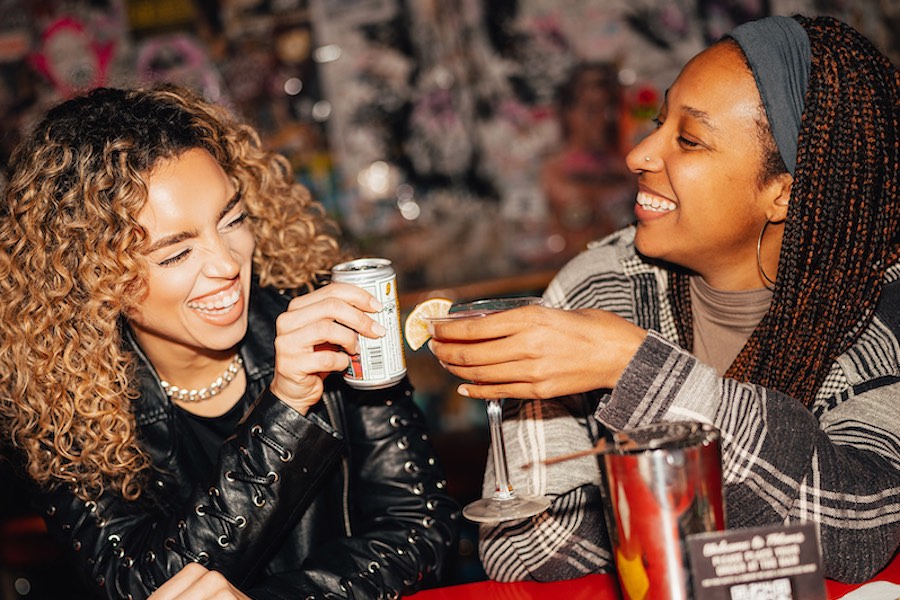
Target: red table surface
point(592, 587)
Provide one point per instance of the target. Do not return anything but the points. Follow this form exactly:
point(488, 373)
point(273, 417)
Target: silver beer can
point(381, 362)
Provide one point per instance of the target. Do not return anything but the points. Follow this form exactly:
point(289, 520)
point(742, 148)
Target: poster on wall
point(443, 113)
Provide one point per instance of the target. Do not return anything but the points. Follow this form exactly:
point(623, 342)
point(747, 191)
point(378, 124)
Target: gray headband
point(777, 49)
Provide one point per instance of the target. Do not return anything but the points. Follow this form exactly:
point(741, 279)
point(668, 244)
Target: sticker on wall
point(71, 57)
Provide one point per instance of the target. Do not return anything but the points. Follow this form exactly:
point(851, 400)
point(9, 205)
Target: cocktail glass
point(505, 504)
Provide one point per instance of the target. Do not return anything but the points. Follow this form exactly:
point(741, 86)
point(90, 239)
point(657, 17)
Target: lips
point(219, 302)
point(653, 203)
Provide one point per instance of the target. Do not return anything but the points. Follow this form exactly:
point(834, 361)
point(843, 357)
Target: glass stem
point(503, 489)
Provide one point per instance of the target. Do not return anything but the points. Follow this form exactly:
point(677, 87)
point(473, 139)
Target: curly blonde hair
point(71, 268)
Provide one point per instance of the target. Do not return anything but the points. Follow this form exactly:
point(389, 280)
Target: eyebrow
point(700, 115)
point(179, 237)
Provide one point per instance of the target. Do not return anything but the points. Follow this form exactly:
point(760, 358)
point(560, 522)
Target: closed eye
point(175, 259)
point(237, 221)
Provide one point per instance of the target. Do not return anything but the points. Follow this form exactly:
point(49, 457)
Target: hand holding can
point(317, 335)
point(381, 362)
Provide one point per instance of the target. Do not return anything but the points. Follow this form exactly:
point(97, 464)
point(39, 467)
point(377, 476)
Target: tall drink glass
point(505, 504)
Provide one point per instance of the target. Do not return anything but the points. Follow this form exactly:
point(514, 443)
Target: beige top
point(724, 320)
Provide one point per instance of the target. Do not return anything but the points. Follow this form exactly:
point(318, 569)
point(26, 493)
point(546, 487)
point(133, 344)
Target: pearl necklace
point(183, 395)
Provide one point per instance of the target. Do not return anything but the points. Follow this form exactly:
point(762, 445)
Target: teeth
point(222, 301)
point(654, 203)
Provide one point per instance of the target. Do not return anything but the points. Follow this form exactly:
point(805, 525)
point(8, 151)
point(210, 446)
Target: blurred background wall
point(478, 144)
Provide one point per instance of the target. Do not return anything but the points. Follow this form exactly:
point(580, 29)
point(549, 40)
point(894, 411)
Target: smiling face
point(199, 258)
point(700, 203)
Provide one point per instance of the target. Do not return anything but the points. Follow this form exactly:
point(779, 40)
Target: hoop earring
point(759, 258)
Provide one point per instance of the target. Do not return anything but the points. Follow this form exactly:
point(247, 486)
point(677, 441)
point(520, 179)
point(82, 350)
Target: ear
point(778, 197)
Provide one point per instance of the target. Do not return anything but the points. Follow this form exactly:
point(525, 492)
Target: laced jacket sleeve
point(403, 524)
point(128, 549)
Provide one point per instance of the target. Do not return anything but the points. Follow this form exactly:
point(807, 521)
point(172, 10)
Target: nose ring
point(646, 159)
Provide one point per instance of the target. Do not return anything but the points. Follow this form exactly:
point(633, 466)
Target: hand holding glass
point(505, 504)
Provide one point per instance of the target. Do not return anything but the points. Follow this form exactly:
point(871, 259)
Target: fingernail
point(462, 391)
point(376, 305)
point(379, 329)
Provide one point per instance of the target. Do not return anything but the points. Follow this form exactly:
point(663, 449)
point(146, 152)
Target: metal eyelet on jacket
point(127, 562)
point(200, 510)
point(427, 522)
point(259, 500)
point(410, 467)
point(418, 488)
point(431, 504)
point(120, 552)
point(51, 510)
point(172, 544)
point(150, 556)
point(223, 540)
point(283, 453)
point(403, 443)
point(76, 545)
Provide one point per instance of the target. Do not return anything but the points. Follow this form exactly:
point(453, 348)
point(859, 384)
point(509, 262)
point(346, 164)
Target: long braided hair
point(841, 231)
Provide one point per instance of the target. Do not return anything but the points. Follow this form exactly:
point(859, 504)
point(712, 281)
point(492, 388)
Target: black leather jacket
point(346, 502)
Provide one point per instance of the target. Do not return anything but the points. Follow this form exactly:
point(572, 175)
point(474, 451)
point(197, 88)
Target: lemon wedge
point(415, 328)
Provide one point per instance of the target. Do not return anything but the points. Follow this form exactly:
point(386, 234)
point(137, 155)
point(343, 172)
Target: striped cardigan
point(836, 464)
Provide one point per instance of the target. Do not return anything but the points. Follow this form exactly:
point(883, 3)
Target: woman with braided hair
point(759, 291)
point(146, 237)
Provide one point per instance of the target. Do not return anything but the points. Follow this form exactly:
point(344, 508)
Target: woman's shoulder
point(613, 254)
point(888, 308)
point(604, 269)
point(608, 253)
point(875, 355)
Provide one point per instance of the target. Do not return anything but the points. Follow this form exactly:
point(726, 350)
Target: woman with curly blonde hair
point(146, 237)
